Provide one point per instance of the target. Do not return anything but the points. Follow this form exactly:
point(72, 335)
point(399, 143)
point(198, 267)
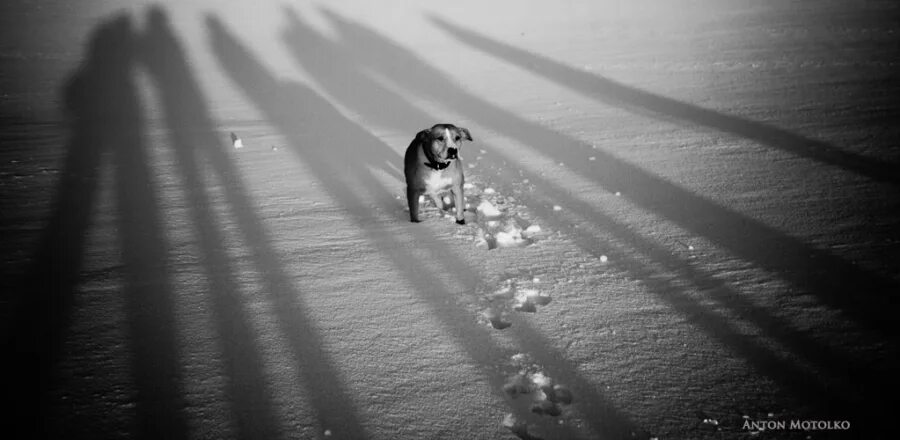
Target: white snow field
point(683, 220)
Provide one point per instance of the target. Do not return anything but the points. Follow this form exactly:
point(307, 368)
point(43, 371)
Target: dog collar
point(437, 165)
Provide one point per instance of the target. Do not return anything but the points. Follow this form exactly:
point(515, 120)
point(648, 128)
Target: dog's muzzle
point(452, 153)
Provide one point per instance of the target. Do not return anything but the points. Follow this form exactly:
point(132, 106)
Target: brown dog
point(432, 165)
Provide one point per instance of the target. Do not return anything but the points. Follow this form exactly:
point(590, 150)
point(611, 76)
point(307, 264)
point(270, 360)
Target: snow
point(532, 229)
point(486, 209)
point(681, 216)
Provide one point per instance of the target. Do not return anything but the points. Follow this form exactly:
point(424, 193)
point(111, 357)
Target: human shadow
point(640, 101)
point(104, 117)
point(809, 269)
point(192, 137)
point(330, 143)
point(148, 291)
point(359, 51)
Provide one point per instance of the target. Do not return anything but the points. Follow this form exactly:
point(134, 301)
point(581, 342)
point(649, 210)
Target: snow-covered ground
point(682, 219)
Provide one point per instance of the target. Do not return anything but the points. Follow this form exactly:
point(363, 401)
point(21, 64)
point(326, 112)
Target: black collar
point(437, 165)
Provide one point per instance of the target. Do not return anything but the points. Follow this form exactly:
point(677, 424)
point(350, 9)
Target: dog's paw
point(415, 220)
point(461, 222)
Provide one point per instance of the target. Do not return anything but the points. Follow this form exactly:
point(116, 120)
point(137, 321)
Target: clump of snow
point(505, 290)
point(515, 425)
point(522, 295)
point(526, 306)
point(557, 208)
point(527, 299)
point(487, 210)
point(604, 258)
point(510, 237)
point(540, 379)
point(489, 191)
point(518, 385)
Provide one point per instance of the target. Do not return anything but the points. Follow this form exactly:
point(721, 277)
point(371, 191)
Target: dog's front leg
point(412, 199)
point(459, 201)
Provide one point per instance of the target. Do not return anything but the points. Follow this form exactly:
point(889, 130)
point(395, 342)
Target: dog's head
point(442, 142)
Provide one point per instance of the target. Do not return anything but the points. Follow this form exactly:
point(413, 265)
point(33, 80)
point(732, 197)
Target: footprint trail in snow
point(496, 221)
point(531, 387)
point(499, 224)
point(517, 295)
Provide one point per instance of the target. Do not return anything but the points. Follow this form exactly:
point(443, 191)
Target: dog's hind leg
point(438, 201)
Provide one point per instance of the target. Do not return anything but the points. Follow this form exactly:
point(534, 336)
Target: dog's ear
point(465, 132)
point(423, 136)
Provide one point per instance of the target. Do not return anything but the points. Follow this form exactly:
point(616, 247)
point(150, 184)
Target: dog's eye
point(456, 138)
point(441, 138)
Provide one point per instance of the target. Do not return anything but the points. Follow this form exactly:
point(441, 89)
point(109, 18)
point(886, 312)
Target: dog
point(432, 164)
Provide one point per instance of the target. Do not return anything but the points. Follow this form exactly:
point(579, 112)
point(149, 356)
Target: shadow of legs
point(191, 132)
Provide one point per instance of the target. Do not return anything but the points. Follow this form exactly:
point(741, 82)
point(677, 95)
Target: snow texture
point(681, 219)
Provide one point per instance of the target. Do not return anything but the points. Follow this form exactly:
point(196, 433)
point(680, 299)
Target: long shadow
point(196, 143)
point(43, 305)
point(149, 297)
point(190, 129)
point(104, 111)
point(325, 139)
point(608, 91)
point(357, 90)
point(811, 270)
